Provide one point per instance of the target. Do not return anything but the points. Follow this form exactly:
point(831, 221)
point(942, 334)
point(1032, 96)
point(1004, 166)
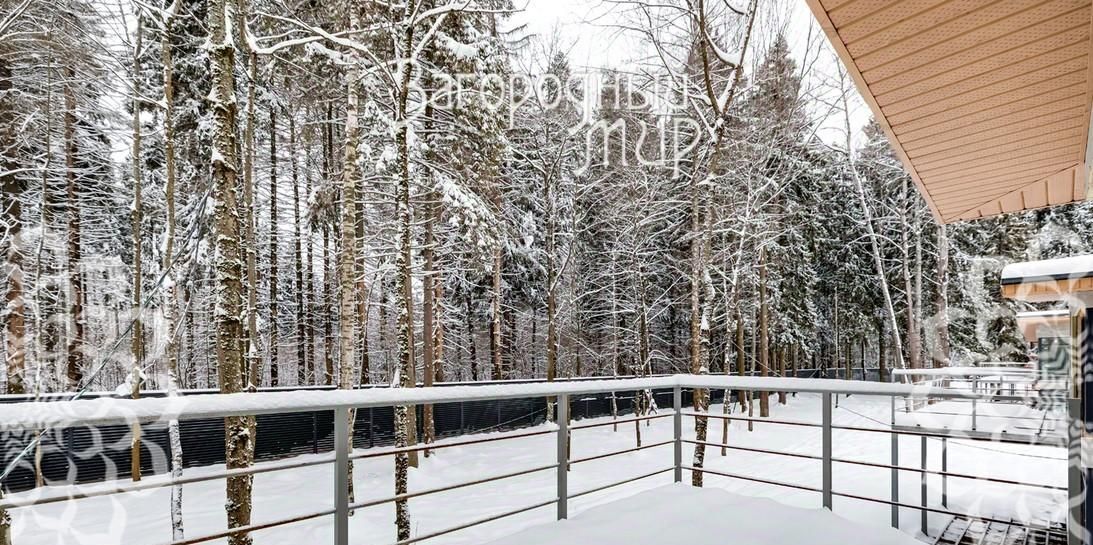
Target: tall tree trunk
point(298, 255)
point(472, 346)
point(551, 300)
point(363, 307)
point(328, 298)
point(228, 260)
point(428, 316)
point(882, 352)
point(700, 320)
point(171, 304)
point(780, 355)
point(250, 237)
point(274, 340)
point(75, 349)
point(311, 300)
point(14, 311)
point(914, 347)
point(867, 218)
point(941, 355)
point(136, 374)
point(404, 415)
point(347, 247)
point(495, 311)
point(438, 321)
point(741, 364)
point(764, 333)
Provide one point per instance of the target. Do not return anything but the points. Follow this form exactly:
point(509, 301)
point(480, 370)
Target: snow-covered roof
point(1043, 314)
point(1063, 268)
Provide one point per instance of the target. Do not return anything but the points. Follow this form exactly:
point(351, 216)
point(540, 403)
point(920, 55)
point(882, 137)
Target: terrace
point(847, 473)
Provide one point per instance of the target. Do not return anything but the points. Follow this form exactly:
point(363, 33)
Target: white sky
point(585, 25)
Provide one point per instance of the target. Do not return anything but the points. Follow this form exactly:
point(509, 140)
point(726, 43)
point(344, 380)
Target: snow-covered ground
point(143, 517)
point(680, 513)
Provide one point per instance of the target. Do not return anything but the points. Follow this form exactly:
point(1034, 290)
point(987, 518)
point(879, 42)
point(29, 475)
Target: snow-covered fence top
point(97, 412)
point(968, 372)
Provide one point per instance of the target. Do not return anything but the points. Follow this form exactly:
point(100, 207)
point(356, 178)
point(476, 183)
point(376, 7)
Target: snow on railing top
point(107, 411)
point(971, 372)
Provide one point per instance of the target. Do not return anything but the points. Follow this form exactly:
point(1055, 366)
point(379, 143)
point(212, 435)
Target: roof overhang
point(1034, 325)
point(1059, 279)
point(987, 103)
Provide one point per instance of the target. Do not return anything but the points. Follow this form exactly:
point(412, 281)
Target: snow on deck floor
point(679, 513)
point(143, 517)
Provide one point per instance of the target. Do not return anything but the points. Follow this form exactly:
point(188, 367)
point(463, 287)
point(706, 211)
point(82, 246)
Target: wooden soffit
point(987, 102)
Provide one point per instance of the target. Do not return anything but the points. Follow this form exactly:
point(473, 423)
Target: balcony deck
point(751, 467)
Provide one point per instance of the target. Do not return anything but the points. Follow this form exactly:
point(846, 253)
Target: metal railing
point(30, 416)
point(1004, 385)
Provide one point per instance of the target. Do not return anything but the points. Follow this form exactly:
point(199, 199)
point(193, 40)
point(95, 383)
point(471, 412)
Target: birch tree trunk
point(228, 259)
point(347, 247)
point(867, 212)
point(404, 423)
point(171, 304)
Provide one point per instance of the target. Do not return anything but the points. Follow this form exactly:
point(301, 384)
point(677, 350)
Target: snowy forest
point(234, 194)
point(229, 194)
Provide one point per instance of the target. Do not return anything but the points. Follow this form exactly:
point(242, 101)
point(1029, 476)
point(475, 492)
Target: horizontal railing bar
point(438, 446)
point(752, 449)
point(757, 420)
point(98, 491)
point(863, 498)
point(411, 495)
point(114, 411)
point(963, 435)
point(620, 483)
point(756, 479)
point(879, 465)
point(491, 518)
point(621, 422)
point(948, 474)
point(252, 528)
point(618, 452)
point(981, 415)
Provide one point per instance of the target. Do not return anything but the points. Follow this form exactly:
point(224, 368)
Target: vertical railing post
point(944, 472)
point(975, 390)
point(563, 456)
point(895, 478)
point(922, 493)
point(1075, 526)
point(677, 404)
point(341, 476)
point(827, 451)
